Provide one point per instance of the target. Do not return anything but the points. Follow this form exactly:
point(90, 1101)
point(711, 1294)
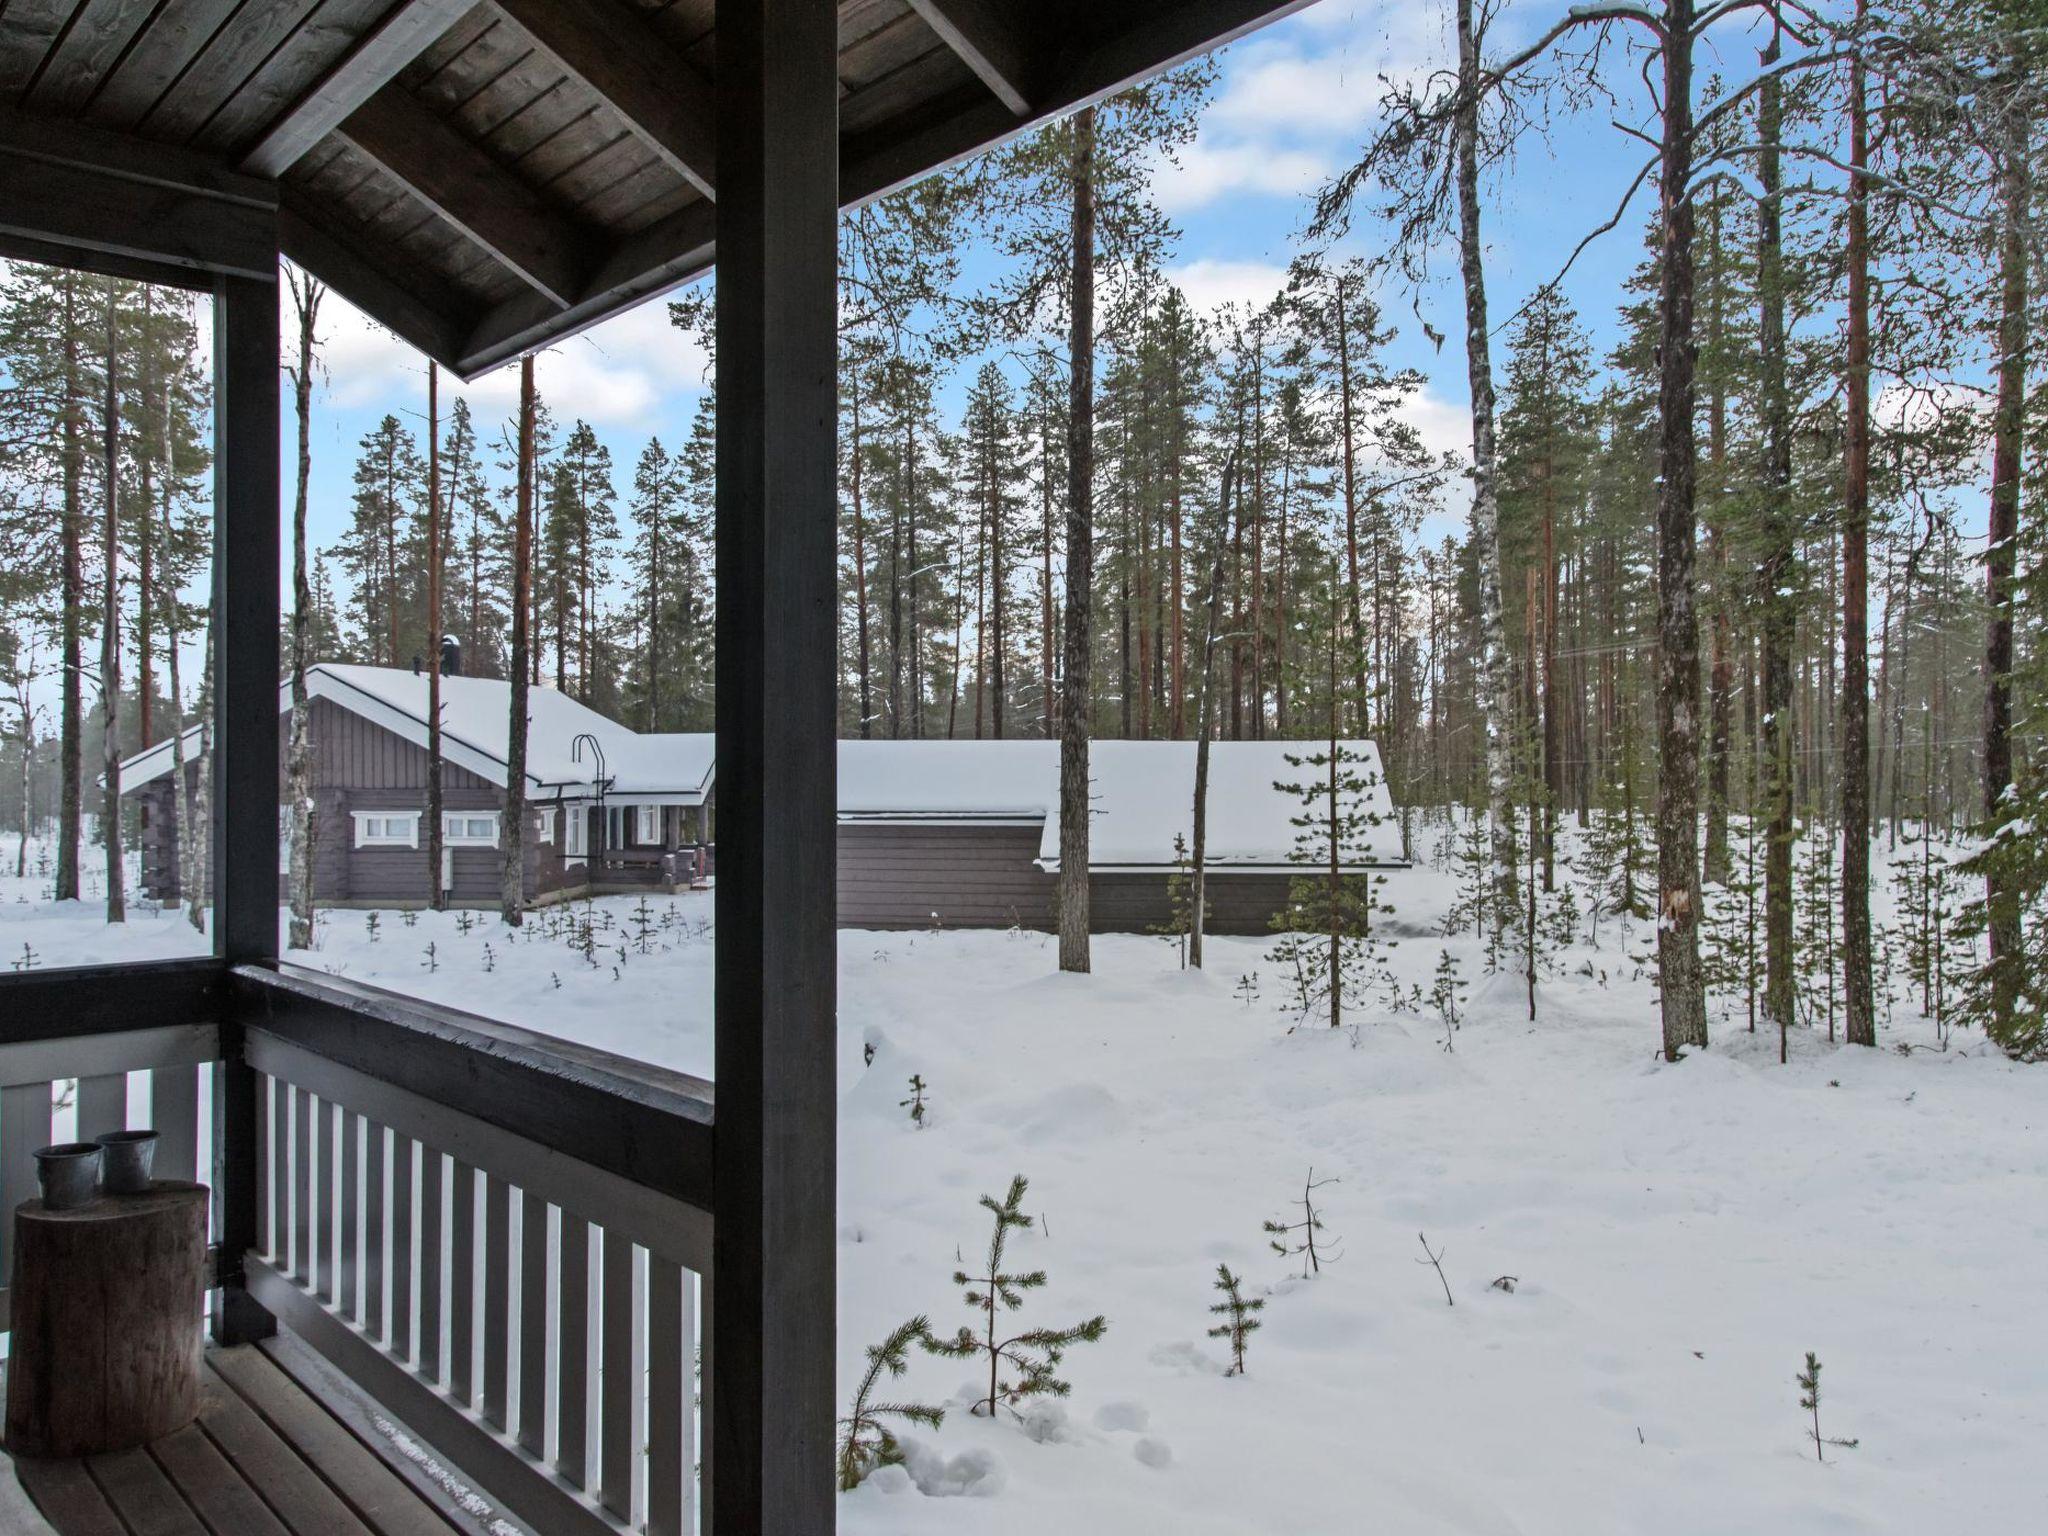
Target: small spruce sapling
point(432, 963)
point(1248, 988)
point(28, 959)
point(865, 1442)
point(371, 925)
point(1180, 902)
point(1035, 1354)
point(1447, 994)
point(915, 1103)
point(1809, 1399)
point(1299, 1239)
point(1239, 1314)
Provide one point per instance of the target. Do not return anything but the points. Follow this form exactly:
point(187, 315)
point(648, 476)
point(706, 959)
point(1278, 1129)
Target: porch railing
point(503, 1240)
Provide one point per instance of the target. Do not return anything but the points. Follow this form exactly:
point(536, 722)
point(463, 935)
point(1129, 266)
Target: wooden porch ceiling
point(486, 179)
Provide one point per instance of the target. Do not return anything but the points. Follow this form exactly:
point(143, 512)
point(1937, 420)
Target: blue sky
point(1291, 106)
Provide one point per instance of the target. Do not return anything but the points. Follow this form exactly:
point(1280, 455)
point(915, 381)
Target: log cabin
point(931, 834)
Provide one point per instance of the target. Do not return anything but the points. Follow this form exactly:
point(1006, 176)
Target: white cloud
point(619, 375)
point(1210, 283)
point(1207, 170)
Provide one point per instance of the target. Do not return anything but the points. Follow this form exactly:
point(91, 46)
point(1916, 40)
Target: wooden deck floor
point(265, 1458)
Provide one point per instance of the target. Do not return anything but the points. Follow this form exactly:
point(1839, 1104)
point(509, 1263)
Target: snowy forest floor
point(1679, 1235)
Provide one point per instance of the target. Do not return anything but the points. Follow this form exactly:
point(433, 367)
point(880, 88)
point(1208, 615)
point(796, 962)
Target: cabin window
point(647, 825)
point(547, 825)
point(466, 829)
point(577, 827)
point(387, 829)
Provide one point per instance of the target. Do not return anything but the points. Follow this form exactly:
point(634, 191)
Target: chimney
point(451, 656)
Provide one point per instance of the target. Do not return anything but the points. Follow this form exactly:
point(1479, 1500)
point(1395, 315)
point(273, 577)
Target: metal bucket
point(69, 1174)
point(128, 1157)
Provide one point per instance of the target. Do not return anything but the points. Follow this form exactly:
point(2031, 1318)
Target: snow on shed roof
point(1143, 795)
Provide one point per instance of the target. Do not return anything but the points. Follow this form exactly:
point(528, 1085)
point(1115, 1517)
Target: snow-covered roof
point(1142, 792)
point(474, 713)
point(1143, 795)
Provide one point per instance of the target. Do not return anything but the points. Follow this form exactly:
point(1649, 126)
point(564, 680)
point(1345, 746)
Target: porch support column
point(771, 1372)
point(245, 741)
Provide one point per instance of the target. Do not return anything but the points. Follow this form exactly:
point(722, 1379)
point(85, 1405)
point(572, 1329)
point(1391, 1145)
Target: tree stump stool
point(106, 1304)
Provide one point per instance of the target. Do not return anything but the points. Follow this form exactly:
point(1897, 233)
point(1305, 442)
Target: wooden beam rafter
point(613, 51)
point(460, 182)
point(990, 40)
point(406, 31)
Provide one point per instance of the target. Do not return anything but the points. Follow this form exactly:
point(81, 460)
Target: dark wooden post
point(770, 1376)
point(245, 741)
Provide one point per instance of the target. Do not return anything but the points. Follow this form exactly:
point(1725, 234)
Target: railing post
point(245, 742)
point(771, 1389)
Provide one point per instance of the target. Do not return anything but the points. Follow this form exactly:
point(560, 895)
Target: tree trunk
point(437, 894)
point(200, 841)
point(307, 292)
point(860, 578)
point(1496, 687)
point(1681, 988)
point(2007, 433)
point(1074, 795)
point(1859, 1016)
point(1780, 617)
point(1205, 694)
point(110, 625)
point(512, 876)
point(71, 663)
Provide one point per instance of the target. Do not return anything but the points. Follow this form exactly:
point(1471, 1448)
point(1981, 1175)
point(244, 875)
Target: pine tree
point(1240, 1315)
point(865, 1442)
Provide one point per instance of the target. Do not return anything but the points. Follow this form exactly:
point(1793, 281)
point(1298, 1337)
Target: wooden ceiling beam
point(418, 312)
point(989, 39)
point(455, 178)
point(662, 98)
point(406, 31)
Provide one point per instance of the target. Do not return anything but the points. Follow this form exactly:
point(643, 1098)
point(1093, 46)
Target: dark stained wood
point(990, 40)
point(31, 29)
point(406, 30)
point(370, 1488)
point(219, 1495)
point(144, 1498)
point(616, 54)
point(228, 60)
point(90, 47)
point(409, 310)
point(245, 754)
point(641, 1122)
point(106, 1316)
point(472, 192)
point(168, 45)
point(267, 1462)
point(76, 1001)
point(771, 1388)
point(68, 1498)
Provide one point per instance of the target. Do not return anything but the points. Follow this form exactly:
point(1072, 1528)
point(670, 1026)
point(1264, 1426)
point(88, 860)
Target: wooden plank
point(223, 1499)
point(375, 1239)
point(421, 310)
point(174, 1111)
point(669, 1458)
point(661, 97)
point(462, 1284)
point(69, 1499)
point(398, 1300)
point(33, 27)
point(92, 45)
point(989, 39)
point(72, 204)
point(262, 1457)
point(102, 1104)
point(572, 1354)
point(771, 1398)
point(465, 186)
point(24, 1126)
point(497, 1322)
point(176, 35)
point(407, 30)
point(96, 1000)
point(230, 57)
point(302, 1186)
point(533, 1325)
point(433, 1284)
point(676, 1227)
point(143, 1497)
point(618, 1381)
point(270, 1161)
point(333, 1216)
point(527, 1492)
point(383, 1502)
point(347, 1295)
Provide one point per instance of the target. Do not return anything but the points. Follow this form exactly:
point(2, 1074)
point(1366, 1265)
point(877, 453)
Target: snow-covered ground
point(1680, 1235)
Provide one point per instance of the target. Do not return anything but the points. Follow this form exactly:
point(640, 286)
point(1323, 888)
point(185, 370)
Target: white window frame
point(385, 837)
point(547, 824)
point(453, 837)
point(576, 838)
point(647, 825)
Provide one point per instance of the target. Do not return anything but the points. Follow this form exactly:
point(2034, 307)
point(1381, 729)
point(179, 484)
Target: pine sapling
point(915, 1103)
point(1809, 1399)
point(432, 963)
point(1034, 1354)
point(371, 925)
point(1239, 1314)
point(865, 1442)
point(28, 959)
point(1298, 1239)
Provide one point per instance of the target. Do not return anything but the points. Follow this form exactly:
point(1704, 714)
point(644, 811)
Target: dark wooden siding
point(945, 874)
